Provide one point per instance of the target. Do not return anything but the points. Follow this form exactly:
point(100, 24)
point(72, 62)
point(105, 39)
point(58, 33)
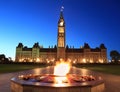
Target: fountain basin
point(30, 83)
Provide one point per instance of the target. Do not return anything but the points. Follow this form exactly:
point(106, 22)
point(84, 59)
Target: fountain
point(60, 81)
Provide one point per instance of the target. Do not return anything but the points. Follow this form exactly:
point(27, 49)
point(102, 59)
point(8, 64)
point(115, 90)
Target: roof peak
point(61, 15)
point(62, 8)
point(61, 12)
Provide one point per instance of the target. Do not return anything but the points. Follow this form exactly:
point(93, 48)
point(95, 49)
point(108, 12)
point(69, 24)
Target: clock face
point(61, 23)
point(61, 30)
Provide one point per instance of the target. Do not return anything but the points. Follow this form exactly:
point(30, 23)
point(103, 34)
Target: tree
point(114, 56)
point(67, 47)
point(2, 57)
point(9, 58)
point(55, 46)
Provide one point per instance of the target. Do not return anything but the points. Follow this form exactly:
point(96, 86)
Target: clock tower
point(61, 38)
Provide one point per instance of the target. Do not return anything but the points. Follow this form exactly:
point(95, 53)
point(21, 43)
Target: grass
point(7, 68)
point(104, 68)
point(107, 68)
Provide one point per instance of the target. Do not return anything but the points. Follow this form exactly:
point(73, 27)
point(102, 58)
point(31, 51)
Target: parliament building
point(84, 54)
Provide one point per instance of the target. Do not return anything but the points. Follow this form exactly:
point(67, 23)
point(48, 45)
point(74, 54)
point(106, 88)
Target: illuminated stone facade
point(84, 54)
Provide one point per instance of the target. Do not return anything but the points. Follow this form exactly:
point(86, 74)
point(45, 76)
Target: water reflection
point(47, 70)
point(84, 72)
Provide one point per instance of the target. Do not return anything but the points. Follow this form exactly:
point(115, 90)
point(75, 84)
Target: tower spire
point(61, 21)
point(61, 15)
point(62, 8)
point(61, 12)
point(61, 43)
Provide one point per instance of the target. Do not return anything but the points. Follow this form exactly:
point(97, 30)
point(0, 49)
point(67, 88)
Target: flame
point(61, 69)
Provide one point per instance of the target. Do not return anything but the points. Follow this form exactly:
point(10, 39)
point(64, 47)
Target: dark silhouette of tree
point(55, 46)
point(10, 59)
point(115, 56)
point(67, 47)
point(2, 57)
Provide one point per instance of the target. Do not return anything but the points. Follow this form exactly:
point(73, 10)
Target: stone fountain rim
point(39, 84)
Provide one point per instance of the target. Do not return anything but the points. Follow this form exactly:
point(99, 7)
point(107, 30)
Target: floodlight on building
point(20, 60)
point(74, 62)
point(30, 60)
point(48, 61)
point(100, 61)
point(112, 60)
point(91, 61)
point(53, 59)
point(37, 60)
point(84, 60)
point(69, 60)
point(61, 59)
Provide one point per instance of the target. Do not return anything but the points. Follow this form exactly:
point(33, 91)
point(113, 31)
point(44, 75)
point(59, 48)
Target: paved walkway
point(112, 82)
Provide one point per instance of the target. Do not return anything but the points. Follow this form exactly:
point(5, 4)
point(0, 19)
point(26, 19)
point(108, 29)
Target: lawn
point(7, 68)
point(107, 68)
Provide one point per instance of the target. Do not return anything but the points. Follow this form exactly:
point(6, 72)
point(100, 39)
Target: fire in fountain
point(60, 81)
point(61, 69)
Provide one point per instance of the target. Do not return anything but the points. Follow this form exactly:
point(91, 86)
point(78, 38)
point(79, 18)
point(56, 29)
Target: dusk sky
point(30, 21)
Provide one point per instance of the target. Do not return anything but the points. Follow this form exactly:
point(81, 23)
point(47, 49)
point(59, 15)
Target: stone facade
point(84, 54)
